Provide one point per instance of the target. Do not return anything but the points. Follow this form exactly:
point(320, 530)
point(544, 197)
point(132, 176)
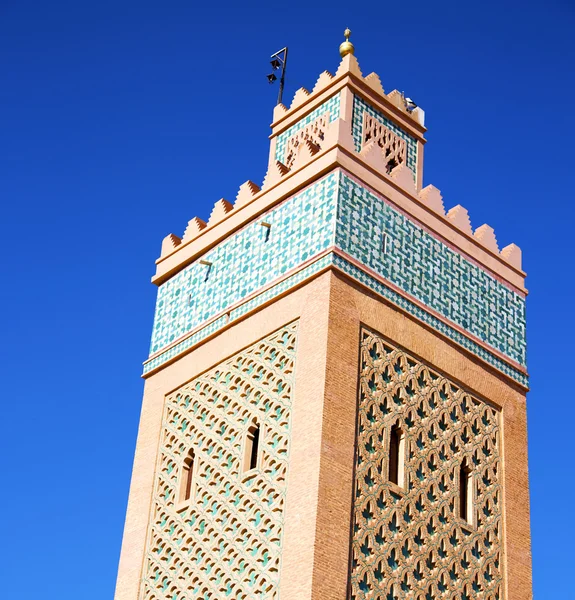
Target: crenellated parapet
point(348, 69)
point(343, 149)
point(374, 144)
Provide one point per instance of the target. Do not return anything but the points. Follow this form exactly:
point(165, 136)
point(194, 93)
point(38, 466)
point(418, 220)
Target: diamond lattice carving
point(313, 132)
point(409, 542)
point(226, 542)
point(393, 147)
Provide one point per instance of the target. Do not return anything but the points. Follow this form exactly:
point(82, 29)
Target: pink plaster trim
point(426, 308)
point(434, 234)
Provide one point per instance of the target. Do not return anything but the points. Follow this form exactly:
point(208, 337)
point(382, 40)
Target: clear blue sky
point(121, 120)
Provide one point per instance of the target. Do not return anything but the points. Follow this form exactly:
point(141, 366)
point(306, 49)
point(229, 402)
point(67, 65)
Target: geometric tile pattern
point(364, 278)
point(235, 313)
point(360, 106)
point(301, 227)
point(409, 542)
point(187, 342)
point(330, 106)
point(226, 542)
point(338, 211)
point(429, 270)
point(424, 316)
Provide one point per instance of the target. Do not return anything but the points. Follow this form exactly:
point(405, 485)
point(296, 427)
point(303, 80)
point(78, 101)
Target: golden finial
point(346, 47)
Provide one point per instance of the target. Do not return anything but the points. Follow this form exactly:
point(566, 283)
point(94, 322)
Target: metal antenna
point(279, 60)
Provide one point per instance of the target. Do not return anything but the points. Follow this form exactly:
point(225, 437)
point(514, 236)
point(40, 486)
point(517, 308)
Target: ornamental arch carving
point(411, 541)
point(226, 541)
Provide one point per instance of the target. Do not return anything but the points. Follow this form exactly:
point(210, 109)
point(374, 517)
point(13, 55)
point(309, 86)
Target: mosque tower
point(334, 403)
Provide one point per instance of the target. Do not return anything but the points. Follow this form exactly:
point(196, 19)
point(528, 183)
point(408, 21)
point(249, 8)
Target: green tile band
point(338, 211)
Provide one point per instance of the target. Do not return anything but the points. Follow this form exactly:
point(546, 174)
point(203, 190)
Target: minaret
point(334, 403)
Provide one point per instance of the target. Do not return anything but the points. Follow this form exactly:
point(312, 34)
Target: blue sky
point(119, 121)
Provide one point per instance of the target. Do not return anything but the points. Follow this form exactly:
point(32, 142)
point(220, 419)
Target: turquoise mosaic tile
point(359, 107)
point(383, 290)
point(363, 278)
point(429, 270)
point(331, 106)
point(301, 227)
point(190, 341)
point(234, 314)
point(338, 211)
point(281, 287)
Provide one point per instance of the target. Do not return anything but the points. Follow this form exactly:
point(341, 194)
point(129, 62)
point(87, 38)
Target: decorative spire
point(346, 47)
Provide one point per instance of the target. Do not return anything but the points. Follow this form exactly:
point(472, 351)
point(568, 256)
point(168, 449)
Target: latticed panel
point(409, 541)
point(393, 147)
point(313, 132)
point(225, 543)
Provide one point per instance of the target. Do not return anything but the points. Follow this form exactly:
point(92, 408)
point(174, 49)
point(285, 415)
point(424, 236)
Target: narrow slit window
point(187, 478)
point(208, 265)
point(384, 243)
point(268, 229)
point(208, 270)
point(396, 454)
point(465, 493)
point(252, 448)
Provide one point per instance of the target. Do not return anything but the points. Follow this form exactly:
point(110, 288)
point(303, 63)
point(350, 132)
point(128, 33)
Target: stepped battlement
point(347, 121)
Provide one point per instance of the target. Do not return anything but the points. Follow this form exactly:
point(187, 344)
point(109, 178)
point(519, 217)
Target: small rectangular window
point(251, 449)
point(268, 230)
point(384, 243)
point(189, 471)
point(396, 456)
point(186, 482)
point(208, 266)
point(254, 452)
point(465, 493)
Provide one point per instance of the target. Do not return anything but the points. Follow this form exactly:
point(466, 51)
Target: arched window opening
point(251, 449)
point(465, 493)
point(186, 487)
point(396, 455)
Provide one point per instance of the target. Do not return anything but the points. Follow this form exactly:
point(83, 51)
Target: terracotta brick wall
point(331, 310)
